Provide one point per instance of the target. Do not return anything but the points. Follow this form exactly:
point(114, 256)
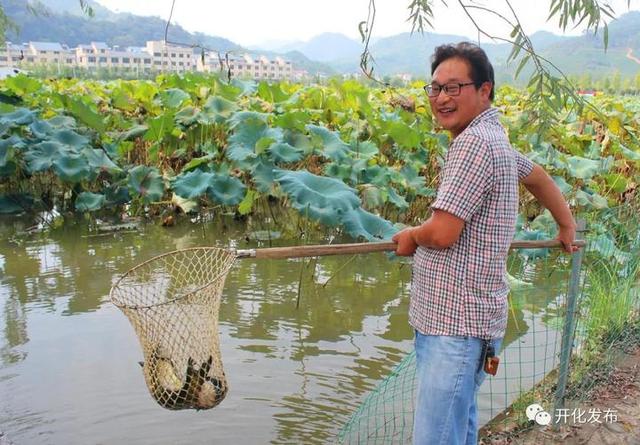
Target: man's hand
point(406, 243)
point(566, 236)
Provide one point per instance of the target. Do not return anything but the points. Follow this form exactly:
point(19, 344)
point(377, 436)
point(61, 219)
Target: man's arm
point(540, 184)
point(440, 231)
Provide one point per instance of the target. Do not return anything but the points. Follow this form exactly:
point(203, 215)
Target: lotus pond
point(297, 369)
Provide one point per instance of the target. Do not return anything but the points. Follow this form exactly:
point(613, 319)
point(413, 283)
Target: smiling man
point(459, 291)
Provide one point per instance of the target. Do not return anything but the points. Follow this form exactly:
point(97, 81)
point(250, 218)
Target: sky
point(256, 22)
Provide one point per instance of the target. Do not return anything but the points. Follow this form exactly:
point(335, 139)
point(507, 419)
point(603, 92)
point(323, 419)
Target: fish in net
point(172, 301)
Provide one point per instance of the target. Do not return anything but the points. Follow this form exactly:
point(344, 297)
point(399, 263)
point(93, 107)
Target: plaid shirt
point(462, 290)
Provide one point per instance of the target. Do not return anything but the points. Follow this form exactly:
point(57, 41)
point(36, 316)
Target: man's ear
point(485, 89)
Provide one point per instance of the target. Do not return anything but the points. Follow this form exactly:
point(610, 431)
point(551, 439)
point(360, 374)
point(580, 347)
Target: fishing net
point(172, 302)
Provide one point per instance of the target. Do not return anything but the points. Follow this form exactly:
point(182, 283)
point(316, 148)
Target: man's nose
point(442, 96)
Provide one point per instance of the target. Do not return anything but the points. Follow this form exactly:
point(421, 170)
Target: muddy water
point(302, 342)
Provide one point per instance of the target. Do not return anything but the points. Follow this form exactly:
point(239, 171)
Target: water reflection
point(302, 340)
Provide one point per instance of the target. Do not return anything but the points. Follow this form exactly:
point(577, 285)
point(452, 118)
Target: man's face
point(454, 113)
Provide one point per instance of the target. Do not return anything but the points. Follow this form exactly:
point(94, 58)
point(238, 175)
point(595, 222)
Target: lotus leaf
point(246, 87)
point(396, 199)
point(41, 129)
point(227, 190)
point(360, 223)
point(272, 92)
point(146, 182)
point(89, 202)
point(403, 134)
point(187, 116)
point(376, 175)
point(8, 170)
point(562, 184)
point(197, 162)
point(364, 150)
point(329, 142)
point(283, 152)
point(21, 116)
point(228, 91)
point(293, 120)
point(42, 156)
point(122, 99)
point(248, 138)
point(62, 122)
point(116, 195)
point(415, 181)
point(70, 138)
point(245, 206)
point(15, 203)
point(173, 97)
point(629, 154)
point(98, 160)
point(134, 132)
point(372, 197)
point(544, 223)
point(583, 168)
point(7, 153)
point(85, 113)
point(22, 84)
point(144, 92)
point(71, 167)
point(220, 107)
point(321, 198)
point(159, 127)
point(589, 200)
point(338, 170)
point(8, 147)
point(192, 184)
point(242, 117)
point(298, 140)
point(4, 127)
point(263, 175)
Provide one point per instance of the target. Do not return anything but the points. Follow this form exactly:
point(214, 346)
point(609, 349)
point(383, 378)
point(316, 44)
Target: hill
point(64, 22)
point(409, 53)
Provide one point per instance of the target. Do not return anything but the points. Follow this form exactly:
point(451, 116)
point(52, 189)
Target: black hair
point(481, 68)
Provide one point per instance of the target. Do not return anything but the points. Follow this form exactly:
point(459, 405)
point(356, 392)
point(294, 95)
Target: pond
point(302, 342)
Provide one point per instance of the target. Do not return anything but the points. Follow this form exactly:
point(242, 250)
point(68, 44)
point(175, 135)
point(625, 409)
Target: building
point(156, 56)
point(247, 67)
point(167, 57)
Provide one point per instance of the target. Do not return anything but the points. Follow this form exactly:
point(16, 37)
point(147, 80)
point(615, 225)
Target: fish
point(197, 391)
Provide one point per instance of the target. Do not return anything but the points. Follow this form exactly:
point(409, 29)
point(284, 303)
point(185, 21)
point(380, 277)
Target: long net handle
point(345, 249)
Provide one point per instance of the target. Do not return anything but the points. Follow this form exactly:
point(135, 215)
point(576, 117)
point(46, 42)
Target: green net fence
point(608, 306)
point(608, 320)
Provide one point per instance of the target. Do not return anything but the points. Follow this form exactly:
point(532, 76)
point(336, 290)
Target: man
point(458, 291)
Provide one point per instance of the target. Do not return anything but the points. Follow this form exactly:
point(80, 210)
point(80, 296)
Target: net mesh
point(172, 302)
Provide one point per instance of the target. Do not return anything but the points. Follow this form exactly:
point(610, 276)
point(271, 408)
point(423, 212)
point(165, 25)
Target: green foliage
point(341, 155)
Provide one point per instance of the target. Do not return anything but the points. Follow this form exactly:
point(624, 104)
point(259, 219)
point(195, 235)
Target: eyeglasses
point(450, 89)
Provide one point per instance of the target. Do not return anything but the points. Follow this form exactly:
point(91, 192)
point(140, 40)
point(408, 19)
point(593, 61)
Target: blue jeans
point(449, 375)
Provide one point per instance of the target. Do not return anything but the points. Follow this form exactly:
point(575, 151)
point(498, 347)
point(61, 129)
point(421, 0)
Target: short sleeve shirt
point(462, 290)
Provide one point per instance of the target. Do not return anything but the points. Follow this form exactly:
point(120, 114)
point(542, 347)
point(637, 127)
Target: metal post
point(569, 325)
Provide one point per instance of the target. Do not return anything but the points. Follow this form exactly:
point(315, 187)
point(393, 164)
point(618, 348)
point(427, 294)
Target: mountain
point(73, 28)
point(409, 53)
point(325, 47)
point(73, 7)
point(332, 53)
point(63, 21)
